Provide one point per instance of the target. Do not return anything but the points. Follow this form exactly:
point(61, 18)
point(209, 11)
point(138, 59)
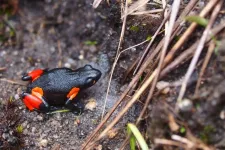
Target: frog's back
point(56, 81)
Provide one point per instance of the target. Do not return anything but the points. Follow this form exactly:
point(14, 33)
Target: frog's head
point(88, 76)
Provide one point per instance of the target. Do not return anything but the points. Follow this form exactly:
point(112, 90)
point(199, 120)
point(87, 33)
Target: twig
point(175, 9)
point(205, 63)
point(3, 68)
point(147, 12)
point(198, 51)
point(188, 32)
point(60, 53)
point(150, 43)
point(12, 81)
point(187, 54)
point(117, 52)
point(189, 143)
point(169, 142)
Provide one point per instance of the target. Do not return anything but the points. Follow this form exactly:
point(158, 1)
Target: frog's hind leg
point(70, 104)
point(33, 75)
point(35, 100)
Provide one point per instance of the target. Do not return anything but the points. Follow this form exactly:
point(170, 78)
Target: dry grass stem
point(96, 3)
point(169, 142)
point(187, 54)
point(205, 63)
point(198, 51)
point(117, 52)
point(136, 6)
point(188, 32)
point(3, 68)
point(175, 9)
point(12, 81)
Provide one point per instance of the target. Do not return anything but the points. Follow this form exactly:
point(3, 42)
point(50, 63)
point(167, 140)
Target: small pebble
point(81, 57)
point(16, 96)
point(43, 143)
point(93, 48)
point(222, 114)
point(39, 118)
point(67, 65)
point(185, 105)
point(91, 105)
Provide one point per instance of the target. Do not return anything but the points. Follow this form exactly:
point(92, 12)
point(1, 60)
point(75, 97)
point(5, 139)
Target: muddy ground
point(71, 34)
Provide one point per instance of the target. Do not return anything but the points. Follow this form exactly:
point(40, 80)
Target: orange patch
point(37, 91)
point(32, 102)
point(35, 74)
point(73, 93)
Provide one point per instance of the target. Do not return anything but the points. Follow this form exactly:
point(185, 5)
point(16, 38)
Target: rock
point(185, 105)
point(43, 143)
point(162, 85)
point(39, 118)
point(91, 105)
point(67, 65)
point(16, 96)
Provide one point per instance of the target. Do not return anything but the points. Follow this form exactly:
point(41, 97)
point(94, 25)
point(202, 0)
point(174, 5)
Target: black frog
point(57, 87)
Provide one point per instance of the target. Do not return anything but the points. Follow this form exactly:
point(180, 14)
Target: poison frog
point(48, 89)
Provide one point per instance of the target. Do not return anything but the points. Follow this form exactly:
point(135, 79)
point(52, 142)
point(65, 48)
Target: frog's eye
point(89, 80)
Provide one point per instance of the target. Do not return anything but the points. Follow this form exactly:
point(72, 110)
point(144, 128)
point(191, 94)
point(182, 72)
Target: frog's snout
point(98, 74)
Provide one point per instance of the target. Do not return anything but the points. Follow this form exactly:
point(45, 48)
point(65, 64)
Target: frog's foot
point(35, 100)
point(78, 108)
point(71, 97)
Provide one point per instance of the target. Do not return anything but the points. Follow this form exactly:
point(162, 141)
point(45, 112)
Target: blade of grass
point(137, 136)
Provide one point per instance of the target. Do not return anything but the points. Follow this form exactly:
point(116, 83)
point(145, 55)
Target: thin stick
point(169, 142)
point(198, 51)
point(205, 63)
point(187, 54)
point(175, 9)
point(2, 68)
point(12, 81)
point(117, 52)
point(150, 43)
point(188, 32)
point(178, 25)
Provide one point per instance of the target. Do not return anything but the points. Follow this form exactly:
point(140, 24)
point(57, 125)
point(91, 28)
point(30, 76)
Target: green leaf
point(197, 19)
point(138, 136)
point(59, 111)
point(149, 37)
point(134, 28)
point(19, 129)
point(132, 139)
point(90, 43)
point(182, 130)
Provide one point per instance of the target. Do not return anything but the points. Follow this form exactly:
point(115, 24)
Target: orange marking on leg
point(35, 74)
point(73, 93)
point(28, 105)
point(32, 102)
point(37, 91)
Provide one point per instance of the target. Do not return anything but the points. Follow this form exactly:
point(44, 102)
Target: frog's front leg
point(70, 104)
point(35, 100)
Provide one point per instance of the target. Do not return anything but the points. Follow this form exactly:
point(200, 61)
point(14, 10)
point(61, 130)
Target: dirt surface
point(68, 33)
